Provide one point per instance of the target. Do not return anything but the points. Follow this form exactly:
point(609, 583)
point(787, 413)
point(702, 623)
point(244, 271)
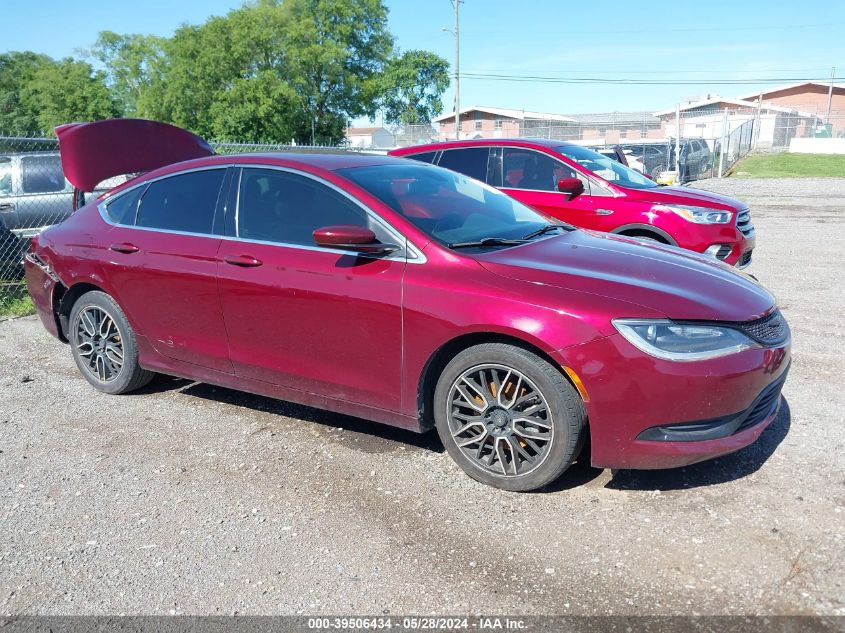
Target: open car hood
point(93, 152)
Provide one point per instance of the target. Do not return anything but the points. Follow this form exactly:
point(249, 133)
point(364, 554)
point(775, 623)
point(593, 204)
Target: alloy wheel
point(98, 343)
point(500, 420)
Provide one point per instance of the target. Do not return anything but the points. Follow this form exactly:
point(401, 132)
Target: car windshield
point(607, 168)
point(449, 206)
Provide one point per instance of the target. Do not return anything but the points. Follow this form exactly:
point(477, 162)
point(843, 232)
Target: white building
point(369, 137)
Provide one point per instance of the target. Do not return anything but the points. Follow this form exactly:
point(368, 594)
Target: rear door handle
point(124, 248)
point(7, 206)
point(244, 261)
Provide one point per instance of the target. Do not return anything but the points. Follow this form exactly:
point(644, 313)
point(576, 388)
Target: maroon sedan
point(406, 294)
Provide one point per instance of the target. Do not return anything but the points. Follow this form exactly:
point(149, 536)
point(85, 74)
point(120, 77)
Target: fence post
point(678, 139)
point(755, 135)
point(723, 147)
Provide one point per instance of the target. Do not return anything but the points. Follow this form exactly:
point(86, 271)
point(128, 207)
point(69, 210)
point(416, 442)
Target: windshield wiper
point(546, 229)
point(486, 241)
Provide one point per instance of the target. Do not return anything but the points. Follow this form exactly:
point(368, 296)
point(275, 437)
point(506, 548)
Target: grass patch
point(786, 165)
point(14, 301)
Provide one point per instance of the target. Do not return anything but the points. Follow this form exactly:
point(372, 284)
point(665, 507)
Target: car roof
point(308, 160)
point(330, 160)
point(479, 142)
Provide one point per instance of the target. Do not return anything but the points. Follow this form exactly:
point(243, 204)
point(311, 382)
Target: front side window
point(185, 202)
point(286, 208)
point(446, 205)
point(5, 176)
point(42, 174)
point(528, 169)
point(606, 168)
point(471, 161)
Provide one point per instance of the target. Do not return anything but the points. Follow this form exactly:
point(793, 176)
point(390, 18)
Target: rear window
point(42, 174)
point(185, 202)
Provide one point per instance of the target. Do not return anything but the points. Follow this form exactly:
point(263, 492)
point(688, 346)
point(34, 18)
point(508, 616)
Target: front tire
point(508, 417)
point(103, 345)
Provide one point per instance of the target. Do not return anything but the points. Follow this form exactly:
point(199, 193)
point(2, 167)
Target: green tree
point(67, 91)
point(273, 70)
point(334, 53)
point(17, 69)
point(257, 109)
point(203, 64)
point(412, 85)
point(130, 63)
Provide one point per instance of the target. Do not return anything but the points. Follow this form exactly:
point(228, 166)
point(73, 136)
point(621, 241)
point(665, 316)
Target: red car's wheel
point(103, 345)
point(508, 417)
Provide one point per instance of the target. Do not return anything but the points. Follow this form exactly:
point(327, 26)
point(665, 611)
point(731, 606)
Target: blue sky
point(693, 41)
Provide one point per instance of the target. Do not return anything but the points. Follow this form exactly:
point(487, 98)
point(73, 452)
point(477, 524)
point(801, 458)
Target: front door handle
point(7, 206)
point(244, 261)
point(125, 247)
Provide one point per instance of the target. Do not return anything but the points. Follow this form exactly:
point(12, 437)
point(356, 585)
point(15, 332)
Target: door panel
point(168, 288)
point(322, 322)
point(164, 275)
point(313, 319)
point(531, 177)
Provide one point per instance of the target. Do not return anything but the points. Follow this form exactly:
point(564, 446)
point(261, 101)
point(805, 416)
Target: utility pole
point(457, 3)
point(829, 93)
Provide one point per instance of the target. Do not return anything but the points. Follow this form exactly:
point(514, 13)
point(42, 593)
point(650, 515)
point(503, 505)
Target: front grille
point(768, 330)
point(743, 222)
point(764, 405)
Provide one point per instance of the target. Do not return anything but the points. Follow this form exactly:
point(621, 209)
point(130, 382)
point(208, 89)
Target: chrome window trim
point(102, 206)
point(411, 254)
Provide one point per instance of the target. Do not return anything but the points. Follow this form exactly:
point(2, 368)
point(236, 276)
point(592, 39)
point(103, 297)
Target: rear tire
point(657, 170)
point(508, 417)
point(103, 345)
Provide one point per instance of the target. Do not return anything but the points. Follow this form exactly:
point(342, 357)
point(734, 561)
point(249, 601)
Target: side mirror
point(356, 239)
point(572, 186)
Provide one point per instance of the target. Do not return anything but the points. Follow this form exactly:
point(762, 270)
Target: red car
point(582, 187)
point(406, 294)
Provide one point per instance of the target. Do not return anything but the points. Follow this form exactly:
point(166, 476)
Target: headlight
point(681, 342)
point(698, 215)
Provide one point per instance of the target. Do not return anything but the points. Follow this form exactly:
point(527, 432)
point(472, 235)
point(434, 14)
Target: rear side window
point(424, 157)
point(122, 209)
point(42, 174)
point(185, 202)
point(470, 161)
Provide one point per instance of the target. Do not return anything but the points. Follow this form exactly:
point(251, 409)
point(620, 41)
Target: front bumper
point(645, 413)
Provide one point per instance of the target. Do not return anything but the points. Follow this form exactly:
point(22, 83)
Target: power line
point(650, 31)
point(507, 71)
point(647, 82)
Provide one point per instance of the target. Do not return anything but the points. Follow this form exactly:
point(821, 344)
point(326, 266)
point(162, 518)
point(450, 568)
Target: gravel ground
point(191, 499)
